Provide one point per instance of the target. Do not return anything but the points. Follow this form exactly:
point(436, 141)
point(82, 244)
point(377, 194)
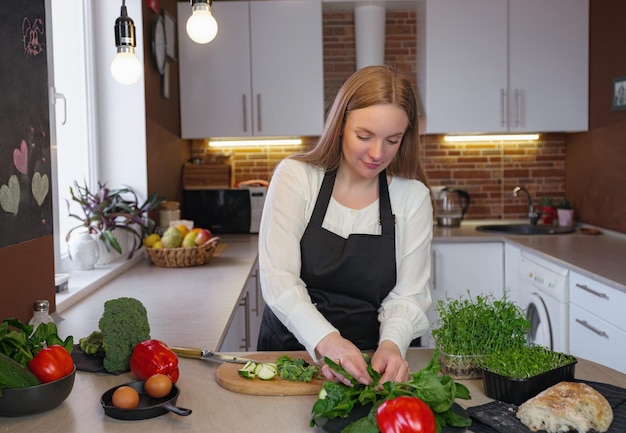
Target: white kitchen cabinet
point(243, 332)
point(261, 76)
point(503, 66)
point(597, 322)
point(462, 269)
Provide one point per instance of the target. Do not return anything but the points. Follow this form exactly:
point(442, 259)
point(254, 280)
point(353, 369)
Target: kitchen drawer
point(599, 299)
point(596, 340)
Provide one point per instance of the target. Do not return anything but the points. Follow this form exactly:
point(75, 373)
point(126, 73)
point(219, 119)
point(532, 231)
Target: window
point(100, 128)
point(75, 145)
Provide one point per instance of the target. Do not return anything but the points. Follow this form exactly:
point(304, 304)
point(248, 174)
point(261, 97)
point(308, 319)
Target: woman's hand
point(346, 354)
point(388, 361)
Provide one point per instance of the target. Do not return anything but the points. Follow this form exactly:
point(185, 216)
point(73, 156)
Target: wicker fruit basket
point(183, 257)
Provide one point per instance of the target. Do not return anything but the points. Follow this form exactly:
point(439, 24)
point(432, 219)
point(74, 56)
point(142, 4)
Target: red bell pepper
point(152, 357)
point(51, 363)
point(405, 415)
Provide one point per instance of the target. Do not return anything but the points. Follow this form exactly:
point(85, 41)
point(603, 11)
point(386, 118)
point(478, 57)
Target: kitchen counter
point(218, 410)
point(194, 307)
point(186, 306)
point(600, 257)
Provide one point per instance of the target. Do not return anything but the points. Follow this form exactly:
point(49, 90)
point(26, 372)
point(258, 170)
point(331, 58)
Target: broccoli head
point(124, 323)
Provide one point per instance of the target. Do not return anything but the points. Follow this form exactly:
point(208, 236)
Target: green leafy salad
point(436, 390)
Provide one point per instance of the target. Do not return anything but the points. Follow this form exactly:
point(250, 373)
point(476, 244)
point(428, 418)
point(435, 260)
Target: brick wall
point(488, 171)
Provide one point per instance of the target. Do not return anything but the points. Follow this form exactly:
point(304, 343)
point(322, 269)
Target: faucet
point(532, 215)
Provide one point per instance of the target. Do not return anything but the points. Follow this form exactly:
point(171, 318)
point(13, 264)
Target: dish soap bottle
point(41, 314)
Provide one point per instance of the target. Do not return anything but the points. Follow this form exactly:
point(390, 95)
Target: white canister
point(83, 250)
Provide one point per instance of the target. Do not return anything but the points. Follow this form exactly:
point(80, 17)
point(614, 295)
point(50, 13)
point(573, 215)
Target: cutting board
point(228, 377)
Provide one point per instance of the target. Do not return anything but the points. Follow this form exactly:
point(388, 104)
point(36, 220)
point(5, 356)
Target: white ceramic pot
point(566, 217)
point(83, 251)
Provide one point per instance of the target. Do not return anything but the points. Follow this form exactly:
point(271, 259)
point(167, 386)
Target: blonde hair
point(372, 85)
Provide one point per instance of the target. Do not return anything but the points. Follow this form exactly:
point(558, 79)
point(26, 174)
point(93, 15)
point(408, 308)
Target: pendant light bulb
point(125, 68)
point(201, 25)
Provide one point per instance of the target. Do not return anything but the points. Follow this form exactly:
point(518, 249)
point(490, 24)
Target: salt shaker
point(41, 313)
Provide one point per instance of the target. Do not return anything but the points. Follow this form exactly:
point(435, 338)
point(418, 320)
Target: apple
point(172, 238)
point(203, 236)
point(189, 240)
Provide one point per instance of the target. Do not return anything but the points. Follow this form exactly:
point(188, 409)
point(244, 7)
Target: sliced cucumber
point(248, 370)
point(266, 372)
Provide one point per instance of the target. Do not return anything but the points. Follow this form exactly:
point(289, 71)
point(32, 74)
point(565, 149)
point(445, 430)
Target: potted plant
point(547, 208)
point(565, 213)
point(517, 374)
point(108, 212)
point(470, 328)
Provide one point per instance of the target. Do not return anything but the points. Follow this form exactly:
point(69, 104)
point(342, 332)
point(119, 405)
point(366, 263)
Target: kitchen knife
point(208, 355)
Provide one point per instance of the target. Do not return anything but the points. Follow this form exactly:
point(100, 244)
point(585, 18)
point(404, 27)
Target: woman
point(345, 235)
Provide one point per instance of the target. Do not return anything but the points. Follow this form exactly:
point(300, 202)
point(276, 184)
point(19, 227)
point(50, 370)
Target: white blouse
point(288, 207)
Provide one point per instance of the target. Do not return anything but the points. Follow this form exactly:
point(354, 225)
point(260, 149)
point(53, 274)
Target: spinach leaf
point(436, 390)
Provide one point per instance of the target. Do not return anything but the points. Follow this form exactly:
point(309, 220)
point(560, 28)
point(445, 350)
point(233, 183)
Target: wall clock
point(159, 46)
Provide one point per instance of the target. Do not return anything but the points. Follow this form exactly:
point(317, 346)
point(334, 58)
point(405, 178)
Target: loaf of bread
point(567, 406)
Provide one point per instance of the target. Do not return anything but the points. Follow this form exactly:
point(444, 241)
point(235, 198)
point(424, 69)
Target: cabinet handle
point(258, 112)
point(593, 328)
point(245, 303)
point(502, 118)
point(256, 291)
point(586, 288)
point(518, 108)
point(245, 112)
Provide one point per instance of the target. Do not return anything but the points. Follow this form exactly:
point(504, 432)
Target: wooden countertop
point(218, 410)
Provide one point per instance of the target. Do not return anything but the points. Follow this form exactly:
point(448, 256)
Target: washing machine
point(544, 295)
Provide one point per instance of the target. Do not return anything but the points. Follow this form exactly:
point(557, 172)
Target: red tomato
point(405, 415)
point(51, 363)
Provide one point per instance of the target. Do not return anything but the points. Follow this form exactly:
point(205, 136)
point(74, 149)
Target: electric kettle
point(451, 204)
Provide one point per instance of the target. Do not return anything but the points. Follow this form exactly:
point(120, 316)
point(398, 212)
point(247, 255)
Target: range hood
point(369, 32)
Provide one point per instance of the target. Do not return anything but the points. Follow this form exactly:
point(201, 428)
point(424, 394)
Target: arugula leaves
point(438, 391)
point(17, 342)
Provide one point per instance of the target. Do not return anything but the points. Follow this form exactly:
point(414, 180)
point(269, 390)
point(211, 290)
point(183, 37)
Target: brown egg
point(125, 397)
point(158, 386)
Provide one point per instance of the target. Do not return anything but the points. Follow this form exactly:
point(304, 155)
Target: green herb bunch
point(479, 326)
point(525, 362)
point(296, 369)
point(337, 400)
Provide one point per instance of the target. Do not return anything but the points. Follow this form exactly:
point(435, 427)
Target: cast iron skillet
point(148, 407)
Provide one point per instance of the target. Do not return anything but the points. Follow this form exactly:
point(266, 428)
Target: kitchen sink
point(525, 229)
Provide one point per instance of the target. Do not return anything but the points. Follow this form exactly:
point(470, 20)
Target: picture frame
point(170, 34)
point(619, 94)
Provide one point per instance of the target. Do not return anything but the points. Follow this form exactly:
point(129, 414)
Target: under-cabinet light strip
point(505, 137)
point(269, 142)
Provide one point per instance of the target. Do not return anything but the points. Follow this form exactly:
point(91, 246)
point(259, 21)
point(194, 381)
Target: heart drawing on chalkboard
point(39, 187)
point(10, 195)
point(20, 158)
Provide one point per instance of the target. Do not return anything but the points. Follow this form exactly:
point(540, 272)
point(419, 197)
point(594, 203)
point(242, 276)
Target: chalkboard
point(25, 166)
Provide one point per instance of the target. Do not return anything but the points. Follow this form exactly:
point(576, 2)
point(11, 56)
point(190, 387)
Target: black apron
point(347, 279)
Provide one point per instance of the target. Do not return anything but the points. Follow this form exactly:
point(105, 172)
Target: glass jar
point(41, 313)
point(168, 211)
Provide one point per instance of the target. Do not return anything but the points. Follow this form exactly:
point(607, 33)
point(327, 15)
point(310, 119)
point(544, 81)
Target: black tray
point(500, 417)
